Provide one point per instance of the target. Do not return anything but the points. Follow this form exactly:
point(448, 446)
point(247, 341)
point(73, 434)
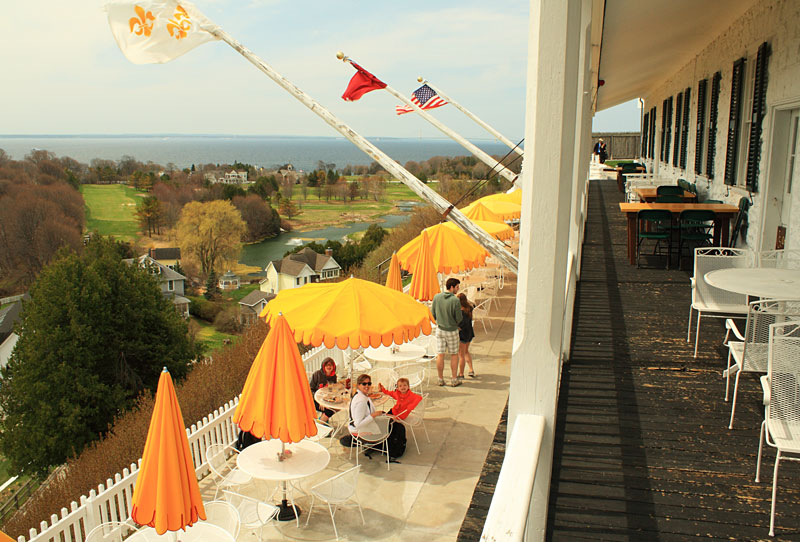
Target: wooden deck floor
point(642, 449)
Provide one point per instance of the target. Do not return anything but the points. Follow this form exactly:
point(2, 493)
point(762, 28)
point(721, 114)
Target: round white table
point(757, 281)
point(406, 353)
point(202, 531)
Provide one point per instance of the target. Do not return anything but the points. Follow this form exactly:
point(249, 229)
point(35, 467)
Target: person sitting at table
point(322, 378)
point(362, 420)
point(405, 399)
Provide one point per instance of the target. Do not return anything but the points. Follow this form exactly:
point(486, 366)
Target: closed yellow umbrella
point(513, 197)
point(498, 230)
point(393, 278)
point(479, 211)
point(452, 250)
point(166, 496)
point(353, 313)
point(504, 209)
point(424, 284)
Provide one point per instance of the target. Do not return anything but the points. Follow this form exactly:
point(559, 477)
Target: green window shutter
point(653, 132)
point(732, 153)
point(677, 144)
point(701, 126)
point(668, 134)
point(663, 129)
point(713, 116)
point(687, 103)
point(759, 112)
point(645, 133)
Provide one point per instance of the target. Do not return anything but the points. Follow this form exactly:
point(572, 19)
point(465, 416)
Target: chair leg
point(310, 508)
point(760, 448)
point(728, 376)
point(774, 494)
point(335, 532)
point(735, 391)
point(697, 333)
point(363, 522)
point(426, 431)
point(414, 436)
point(689, 327)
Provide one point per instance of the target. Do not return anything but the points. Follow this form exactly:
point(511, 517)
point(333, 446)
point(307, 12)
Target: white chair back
point(385, 376)
point(338, 488)
point(708, 259)
point(780, 259)
point(223, 514)
point(217, 462)
point(414, 372)
point(783, 409)
point(112, 531)
point(760, 318)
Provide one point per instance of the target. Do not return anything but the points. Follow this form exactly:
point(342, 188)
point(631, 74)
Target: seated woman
point(325, 376)
point(362, 410)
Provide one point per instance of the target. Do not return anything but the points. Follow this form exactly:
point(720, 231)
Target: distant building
point(171, 256)
point(172, 283)
point(252, 304)
point(298, 269)
point(230, 177)
point(229, 281)
point(8, 339)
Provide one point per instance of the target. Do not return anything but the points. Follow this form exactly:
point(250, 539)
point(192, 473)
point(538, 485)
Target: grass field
point(210, 337)
point(110, 210)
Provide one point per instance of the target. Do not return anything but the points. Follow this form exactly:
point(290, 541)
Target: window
point(713, 115)
point(700, 145)
point(170, 285)
point(678, 110)
point(687, 102)
point(758, 112)
point(298, 281)
point(734, 124)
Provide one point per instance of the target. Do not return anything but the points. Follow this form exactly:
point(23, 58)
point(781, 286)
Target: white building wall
point(774, 21)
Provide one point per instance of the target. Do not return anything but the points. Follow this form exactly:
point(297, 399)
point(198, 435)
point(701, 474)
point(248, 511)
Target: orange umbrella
point(276, 399)
point(506, 210)
point(452, 250)
point(166, 496)
point(513, 197)
point(353, 313)
point(498, 230)
point(5, 538)
point(424, 284)
point(393, 279)
point(479, 211)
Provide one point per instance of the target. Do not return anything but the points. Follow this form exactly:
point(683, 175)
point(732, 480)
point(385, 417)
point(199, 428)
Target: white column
point(553, 61)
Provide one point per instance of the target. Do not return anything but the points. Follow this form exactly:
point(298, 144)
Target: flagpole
point(514, 147)
point(479, 154)
point(495, 247)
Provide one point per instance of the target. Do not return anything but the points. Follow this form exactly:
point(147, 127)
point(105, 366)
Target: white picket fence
point(112, 501)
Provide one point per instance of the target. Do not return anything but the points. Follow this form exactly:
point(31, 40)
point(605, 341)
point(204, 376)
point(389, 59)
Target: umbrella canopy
point(452, 250)
point(479, 211)
point(504, 209)
point(424, 284)
point(513, 197)
point(276, 399)
point(498, 230)
point(393, 279)
point(352, 313)
point(166, 496)
point(5, 538)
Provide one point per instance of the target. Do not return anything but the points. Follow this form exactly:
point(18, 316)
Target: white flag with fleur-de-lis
point(157, 31)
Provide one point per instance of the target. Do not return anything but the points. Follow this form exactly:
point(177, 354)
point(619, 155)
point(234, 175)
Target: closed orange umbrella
point(513, 197)
point(353, 313)
point(276, 399)
point(393, 278)
point(452, 250)
point(479, 211)
point(166, 496)
point(424, 284)
point(505, 209)
point(498, 230)
point(5, 538)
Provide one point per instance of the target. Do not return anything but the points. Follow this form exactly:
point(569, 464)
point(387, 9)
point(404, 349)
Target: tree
point(150, 215)
point(262, 221)
point(288, 208)
point(210, 232)
point(95, 334)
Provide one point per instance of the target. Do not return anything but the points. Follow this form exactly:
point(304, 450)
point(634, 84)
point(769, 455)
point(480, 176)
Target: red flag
point(361, 83)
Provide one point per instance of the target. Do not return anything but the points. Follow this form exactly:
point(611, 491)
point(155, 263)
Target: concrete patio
point(426, 495)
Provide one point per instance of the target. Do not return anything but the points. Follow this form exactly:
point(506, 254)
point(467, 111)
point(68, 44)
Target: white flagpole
point(495, 247)
point(514, 147)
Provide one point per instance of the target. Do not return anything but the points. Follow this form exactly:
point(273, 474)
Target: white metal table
point(405, 353)
point(765, 282)
point(201, 531)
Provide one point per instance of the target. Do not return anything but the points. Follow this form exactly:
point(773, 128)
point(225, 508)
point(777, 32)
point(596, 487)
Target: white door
point(792, 168)
point(784, 174)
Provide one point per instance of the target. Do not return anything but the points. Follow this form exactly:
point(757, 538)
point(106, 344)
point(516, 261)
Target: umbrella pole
point(287, 512)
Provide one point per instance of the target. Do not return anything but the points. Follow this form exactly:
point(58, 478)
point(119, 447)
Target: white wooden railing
point(112, 501)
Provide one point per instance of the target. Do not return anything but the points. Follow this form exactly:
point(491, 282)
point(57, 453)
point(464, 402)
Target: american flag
point(425, 98)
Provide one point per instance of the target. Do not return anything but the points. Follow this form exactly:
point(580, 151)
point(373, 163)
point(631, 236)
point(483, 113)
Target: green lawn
point(110, 209)
point(210, 337)
point(237, 295)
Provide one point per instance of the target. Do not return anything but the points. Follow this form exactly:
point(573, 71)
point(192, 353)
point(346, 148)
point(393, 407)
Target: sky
point(64, 74)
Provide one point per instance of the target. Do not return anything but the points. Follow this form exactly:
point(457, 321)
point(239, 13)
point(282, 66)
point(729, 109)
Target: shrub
point(204, 309)
point(227, 321)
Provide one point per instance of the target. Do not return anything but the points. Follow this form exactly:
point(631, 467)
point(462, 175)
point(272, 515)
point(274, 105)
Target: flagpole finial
point(340, 55)
point(420, 79)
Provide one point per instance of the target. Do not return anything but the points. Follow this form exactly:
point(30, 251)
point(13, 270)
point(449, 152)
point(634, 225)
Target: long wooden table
point(650, 193)
point(724, 213)
point(620, 178)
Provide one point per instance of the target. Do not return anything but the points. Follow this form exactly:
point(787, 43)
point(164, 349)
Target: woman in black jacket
point(465, 336)
point(323, 377)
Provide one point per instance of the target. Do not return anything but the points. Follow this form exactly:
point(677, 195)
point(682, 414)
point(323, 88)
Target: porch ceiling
point(643, 43)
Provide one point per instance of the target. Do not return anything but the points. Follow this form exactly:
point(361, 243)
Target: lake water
point(264, 151)
point(260, 254)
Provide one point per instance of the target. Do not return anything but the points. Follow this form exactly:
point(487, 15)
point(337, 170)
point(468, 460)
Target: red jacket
point(406, 402)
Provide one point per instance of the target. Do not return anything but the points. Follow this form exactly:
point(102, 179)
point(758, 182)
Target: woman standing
point(465, 336)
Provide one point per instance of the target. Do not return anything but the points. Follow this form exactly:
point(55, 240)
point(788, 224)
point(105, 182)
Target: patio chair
point(378, 441)
point(654, 224)
point(383, 375)
point(694, 227)
point(714, 302)
point(669, 189)
point(713, 201)
point(669, 198)
point(111, 531)
point(225, 476)
point(416, 418)
point(414, 372)
point(481, 313)
point(779, 259)
point(224, 515)
point(748, 354)
point(336, 491)
point(781, 385)
point(253, 513)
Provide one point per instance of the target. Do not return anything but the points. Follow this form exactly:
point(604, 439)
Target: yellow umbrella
point(513, 197)
point(5, 538)
point(504, 209)
point(393, 279)
point(479, 211)
point(353, 313)
point(276, 399)
point(166, 496)
point(424, 284)
point(498, 230)
point(452, 250)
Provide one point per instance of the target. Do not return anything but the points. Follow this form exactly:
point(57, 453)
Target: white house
point(298, 269)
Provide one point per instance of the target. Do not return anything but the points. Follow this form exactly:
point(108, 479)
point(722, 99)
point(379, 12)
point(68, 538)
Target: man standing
point(446, 311)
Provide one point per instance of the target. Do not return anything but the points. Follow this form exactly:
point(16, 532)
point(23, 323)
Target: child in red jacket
point(406, 399)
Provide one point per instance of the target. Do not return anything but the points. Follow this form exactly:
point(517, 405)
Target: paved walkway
point(426, 495)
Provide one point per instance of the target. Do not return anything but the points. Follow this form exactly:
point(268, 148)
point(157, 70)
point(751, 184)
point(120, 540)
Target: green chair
point(713, 201)
point(684, 184)
point(669, 189)
point(629, 167)
point(669, 198)
point(695, 227)
point(654, 224)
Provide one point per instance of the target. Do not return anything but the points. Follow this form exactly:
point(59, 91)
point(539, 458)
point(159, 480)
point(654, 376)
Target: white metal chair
point(253, 513)
point(748, 354)
point(781, 426)
point(416, 418)
point(414, 372)
point(715, 302)
point(780, 259)
point(111, 531)
point(335, 492)
point(385, 376)
point(375, 441)
point(223, 514)
point(481, 313)
point(225, 476)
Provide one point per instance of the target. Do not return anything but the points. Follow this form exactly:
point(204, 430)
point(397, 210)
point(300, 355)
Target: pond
point(260, 254)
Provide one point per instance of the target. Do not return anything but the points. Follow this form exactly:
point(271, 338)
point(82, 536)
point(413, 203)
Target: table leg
point(632, 238)
point(725, 230)
point(288, 512)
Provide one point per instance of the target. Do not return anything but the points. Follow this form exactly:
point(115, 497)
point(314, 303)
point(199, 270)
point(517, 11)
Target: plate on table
point(375, 395)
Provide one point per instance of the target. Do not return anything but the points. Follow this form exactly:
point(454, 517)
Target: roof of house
point(229, 275)
point(255, 297)
point(166, 272)
point(8, 316)
point(293, 264)
point(171, 253)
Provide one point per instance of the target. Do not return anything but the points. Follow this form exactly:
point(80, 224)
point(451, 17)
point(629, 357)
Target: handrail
point(508, 512)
